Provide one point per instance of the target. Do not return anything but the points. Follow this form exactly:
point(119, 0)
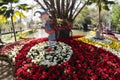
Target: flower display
point(107, 44)
point(61, 24)
point(40, 56)
point(12, 53)
point(87, 62)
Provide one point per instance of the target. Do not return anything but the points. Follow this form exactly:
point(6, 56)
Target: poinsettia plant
point(61, 24)
point(87, 62)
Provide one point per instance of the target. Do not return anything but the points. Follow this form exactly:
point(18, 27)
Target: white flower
point(28, 70)
point(12, 53)
point(62, 53)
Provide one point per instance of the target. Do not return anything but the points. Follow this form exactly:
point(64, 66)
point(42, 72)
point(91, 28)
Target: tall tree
point(101, 4)
point(116, 16)
point(64, 10)
point(2, 21)
point(9, 11)
point(83, 18)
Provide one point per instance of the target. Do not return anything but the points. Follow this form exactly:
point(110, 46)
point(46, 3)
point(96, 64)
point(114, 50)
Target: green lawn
point(79, 32)
point(8, 38)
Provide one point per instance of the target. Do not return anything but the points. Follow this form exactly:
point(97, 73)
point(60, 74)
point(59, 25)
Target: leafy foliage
point(101, 4)
point(83, 17)
point(12, 1)
point(2, 19)
point(63, 9)
point(116, 15)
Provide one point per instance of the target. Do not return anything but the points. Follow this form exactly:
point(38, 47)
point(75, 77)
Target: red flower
point(105, 75)
point(36, 76)
point(94, 77)
point(28, 60)
point(89, 71)
point(19, 71)
point(20, 79)
point(84, 65)
point(110, 63)
point(87, 62)
point(118, 70)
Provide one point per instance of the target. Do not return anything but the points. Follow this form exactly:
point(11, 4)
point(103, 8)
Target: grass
point(10, 38)
point(79, 32)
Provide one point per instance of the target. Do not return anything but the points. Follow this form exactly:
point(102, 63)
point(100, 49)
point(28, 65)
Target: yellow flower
point(114, 45)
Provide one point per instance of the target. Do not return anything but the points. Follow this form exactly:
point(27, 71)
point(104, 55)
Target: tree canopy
point(63, 9)
point(116, 15)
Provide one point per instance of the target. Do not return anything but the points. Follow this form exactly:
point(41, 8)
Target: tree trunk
point(1, 37)
point(13, 29)
point(85, 27)
point(99, 31)
point(13, 25)
point(63, 34)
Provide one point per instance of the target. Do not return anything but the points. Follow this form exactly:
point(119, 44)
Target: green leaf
point(89, 3)
point(20, 14)
point(8, 13)
point(106, 7)
point(3, 3)
point(111, 2)
point(23, 6)
point(2, 19)
point(12, 1)
point(14, 18)
point(3, 9)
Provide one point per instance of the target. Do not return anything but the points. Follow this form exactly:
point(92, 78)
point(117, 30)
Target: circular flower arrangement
point(40, 56)
point(87, 62)
point(105, 40)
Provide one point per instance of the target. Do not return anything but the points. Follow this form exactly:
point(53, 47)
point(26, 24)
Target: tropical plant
point(101, 4)
point(2, 21)
point(105, 16)
point(83, 18)
point(10, 12)
point(116, 15)
point(63, 9)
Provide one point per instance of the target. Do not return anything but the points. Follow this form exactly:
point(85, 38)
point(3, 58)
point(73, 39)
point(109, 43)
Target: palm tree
point(64, 10)
point(101, 4)
point(2, 21)
point(9, 12)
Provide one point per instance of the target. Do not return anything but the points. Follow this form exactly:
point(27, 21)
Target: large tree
point(9, 11)
point(101, 4)
point(63, 10)
point(116, 16)
point(2, 21)
point(83, 19)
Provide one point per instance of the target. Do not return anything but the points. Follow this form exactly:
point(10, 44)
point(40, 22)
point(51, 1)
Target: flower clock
point(72, 59)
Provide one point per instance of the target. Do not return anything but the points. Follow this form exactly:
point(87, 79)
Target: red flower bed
point(87, 63)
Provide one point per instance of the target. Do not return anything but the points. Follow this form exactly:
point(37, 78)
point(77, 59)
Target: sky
point(32, 1)
point(27, 1)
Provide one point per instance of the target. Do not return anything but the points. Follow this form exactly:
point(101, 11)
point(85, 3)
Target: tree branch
point(72, 8)
point(77, 7)
point(79, 10)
